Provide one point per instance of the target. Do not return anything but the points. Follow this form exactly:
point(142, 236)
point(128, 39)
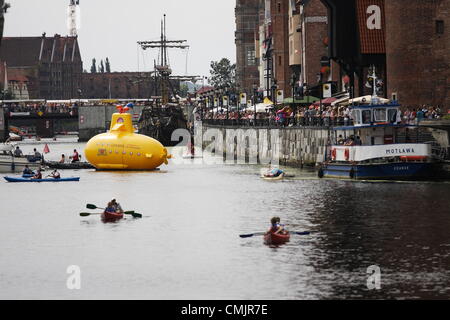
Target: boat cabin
point(376, 134)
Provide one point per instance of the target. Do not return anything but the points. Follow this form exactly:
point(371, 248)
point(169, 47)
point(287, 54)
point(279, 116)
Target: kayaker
point(27, 170)
point(274, 173)
point(63, 159)
point(55, 174)
point(116, 206)
point(38, 175)
point(110, 208)
point(276, 227)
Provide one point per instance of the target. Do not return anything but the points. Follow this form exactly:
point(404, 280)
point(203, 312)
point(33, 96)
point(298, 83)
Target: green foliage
point(184, 90)
point(447, 117)
point(94, 66)
point(107, 66)
point(223, 73)
point(102, 67)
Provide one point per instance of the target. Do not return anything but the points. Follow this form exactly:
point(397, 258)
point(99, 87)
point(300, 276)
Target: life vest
point(76, 157)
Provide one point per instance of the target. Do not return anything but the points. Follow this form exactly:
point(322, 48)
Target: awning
point(305, 100)
point(327, 101)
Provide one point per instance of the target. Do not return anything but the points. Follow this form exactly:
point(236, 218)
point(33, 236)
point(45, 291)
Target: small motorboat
point(111, 216)
point(276, 239)
point(15, 179)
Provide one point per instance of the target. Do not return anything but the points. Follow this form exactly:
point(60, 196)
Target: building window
point(279, 60)
point(251, 57)
point(439, 26)
point(279, 7)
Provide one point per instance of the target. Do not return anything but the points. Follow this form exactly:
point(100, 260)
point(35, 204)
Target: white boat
point(9, 163)
point(379, 146)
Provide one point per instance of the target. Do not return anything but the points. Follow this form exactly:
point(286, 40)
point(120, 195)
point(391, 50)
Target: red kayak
point(276, 239)
point(111, 216)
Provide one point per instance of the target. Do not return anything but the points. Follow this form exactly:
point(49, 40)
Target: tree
point(223, 73)
point(184, 90)
point(94, 66)
point(108, 66)
point(102, 67)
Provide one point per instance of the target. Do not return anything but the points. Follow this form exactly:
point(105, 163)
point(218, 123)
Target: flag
point(46, 149)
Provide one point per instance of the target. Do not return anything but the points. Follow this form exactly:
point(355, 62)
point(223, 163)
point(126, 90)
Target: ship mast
point(163, 68)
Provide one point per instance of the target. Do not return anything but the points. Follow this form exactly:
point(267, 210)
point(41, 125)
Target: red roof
point(204, 89)
point(325, 101)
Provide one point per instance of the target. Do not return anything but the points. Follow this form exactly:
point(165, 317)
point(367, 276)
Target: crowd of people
point(314, 116)
point(44, 108)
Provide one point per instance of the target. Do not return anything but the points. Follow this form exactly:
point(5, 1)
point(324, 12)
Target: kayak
point(11, 179)
point(269, 178)
point(27, 175)
point(276, 239)
point(111, 216)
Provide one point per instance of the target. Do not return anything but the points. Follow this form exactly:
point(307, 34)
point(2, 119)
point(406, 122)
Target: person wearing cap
point(116, 206)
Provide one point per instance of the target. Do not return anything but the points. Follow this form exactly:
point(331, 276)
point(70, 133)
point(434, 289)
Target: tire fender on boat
point(321, 173)
point(352, 173)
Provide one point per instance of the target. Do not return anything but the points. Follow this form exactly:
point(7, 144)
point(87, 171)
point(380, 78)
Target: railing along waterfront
point(287, 123)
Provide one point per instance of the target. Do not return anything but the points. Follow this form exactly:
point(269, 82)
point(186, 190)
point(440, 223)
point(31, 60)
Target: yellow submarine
point(122, 149)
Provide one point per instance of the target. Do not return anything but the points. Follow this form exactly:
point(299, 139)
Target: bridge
point(88, 121)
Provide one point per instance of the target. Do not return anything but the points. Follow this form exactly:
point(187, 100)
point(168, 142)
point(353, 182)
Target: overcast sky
point(111, 28)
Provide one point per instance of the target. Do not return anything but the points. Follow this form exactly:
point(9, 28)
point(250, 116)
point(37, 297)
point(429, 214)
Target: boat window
point(380, 115)
point(392, 115)
point(366, 116)
point(356, 114)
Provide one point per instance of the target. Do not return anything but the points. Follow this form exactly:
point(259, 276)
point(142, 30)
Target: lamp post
point(319, 78)
point(255, 93)
point(227, 94)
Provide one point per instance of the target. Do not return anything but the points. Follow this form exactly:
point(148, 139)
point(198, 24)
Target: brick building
point(418, 51)
point(279, 11)
point(50, 66)
point(122, 85)
point(247, 14)
point(313, 39)
point(408, 42)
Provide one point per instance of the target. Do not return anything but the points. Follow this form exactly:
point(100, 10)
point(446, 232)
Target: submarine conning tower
point(122, 122)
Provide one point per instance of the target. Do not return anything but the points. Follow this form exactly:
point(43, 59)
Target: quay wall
point(93, 120)
point(296, 147)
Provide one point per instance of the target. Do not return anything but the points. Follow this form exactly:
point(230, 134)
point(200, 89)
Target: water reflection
point(187, 245)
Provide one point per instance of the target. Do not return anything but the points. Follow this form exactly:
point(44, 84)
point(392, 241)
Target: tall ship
point(166, 114)
point(378, 146)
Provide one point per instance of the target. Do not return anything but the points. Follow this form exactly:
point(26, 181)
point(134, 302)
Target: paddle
point(305, 233)
point(134, 214)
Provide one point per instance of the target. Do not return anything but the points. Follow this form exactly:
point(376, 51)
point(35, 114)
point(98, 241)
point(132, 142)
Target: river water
point(187, 246)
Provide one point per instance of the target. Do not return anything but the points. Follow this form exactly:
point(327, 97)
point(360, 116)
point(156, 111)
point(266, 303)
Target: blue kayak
point(10, 179)
point(27, 175)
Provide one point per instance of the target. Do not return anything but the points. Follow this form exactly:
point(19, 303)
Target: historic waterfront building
point(120, 85)
point(279, 11)
point(408, 42)
point(310, 40)
point(51, 67)
point(247, 25)
point(418, 51)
